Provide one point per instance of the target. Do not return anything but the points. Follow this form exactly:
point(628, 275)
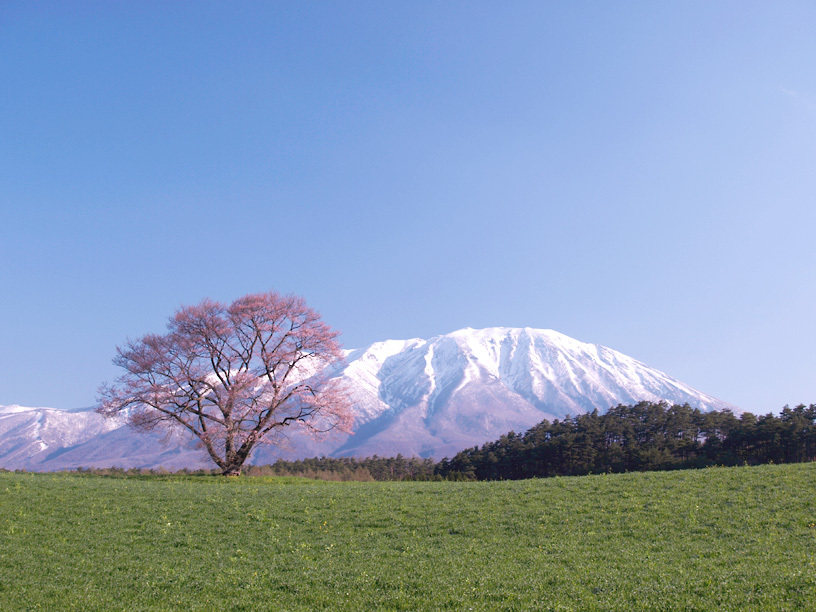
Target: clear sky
point(640, 175)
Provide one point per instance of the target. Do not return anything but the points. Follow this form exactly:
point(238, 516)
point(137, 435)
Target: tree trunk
point(235, 460)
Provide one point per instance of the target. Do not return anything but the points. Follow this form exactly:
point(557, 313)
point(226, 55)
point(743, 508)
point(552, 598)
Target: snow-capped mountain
point(435, 397)
point(430, 398)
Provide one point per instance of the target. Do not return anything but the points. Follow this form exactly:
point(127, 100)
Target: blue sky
point(633, 174)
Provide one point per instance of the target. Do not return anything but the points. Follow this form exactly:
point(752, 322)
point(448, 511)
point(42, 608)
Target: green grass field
point(715, 539)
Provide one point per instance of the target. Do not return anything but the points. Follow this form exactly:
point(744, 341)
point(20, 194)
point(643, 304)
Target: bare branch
point(232, 375)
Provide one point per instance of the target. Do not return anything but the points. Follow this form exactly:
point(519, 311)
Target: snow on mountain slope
point(29, 435)
point(45, 439)
point(416, 397)
point(435, 397)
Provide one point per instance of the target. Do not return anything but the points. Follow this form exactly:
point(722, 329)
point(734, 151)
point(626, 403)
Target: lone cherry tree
point(232, 376)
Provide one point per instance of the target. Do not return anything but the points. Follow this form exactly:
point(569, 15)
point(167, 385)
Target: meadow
point(740, 538)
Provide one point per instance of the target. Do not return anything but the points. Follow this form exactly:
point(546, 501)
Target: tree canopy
point(233, 376)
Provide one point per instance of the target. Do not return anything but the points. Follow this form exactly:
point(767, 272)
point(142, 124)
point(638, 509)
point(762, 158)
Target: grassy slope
point(716, 539)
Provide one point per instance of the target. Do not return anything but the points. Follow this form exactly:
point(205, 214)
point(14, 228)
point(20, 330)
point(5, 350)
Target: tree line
point(350, 468)
point(646, 436)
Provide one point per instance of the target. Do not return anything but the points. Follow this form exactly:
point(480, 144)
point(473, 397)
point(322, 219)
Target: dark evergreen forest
point(646, 436)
